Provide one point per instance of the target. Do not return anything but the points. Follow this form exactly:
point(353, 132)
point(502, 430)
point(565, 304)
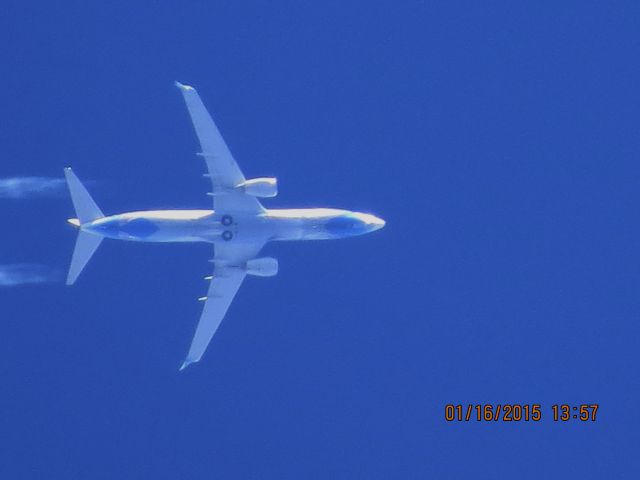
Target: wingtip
point(185, 364)
point(183, 87)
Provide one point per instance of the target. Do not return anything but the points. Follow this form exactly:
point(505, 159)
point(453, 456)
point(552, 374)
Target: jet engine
point(262, 267)
point(265, 187)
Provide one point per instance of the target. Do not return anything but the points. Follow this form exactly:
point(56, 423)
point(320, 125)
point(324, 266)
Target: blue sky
point(500, 141)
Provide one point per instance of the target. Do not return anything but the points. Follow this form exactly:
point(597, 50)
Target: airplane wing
point(228, 274)
point(223, 170)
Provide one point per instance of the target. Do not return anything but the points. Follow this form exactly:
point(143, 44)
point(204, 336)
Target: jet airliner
point(237, 226)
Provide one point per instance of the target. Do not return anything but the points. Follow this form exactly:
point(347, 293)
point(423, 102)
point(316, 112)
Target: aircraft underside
point(238, 226)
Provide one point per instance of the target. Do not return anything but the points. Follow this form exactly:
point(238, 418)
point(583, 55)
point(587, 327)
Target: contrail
point(15, 274)
point(31, 187)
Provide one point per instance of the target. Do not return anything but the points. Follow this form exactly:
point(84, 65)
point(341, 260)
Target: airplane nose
point(373, 222)
point(379, 223)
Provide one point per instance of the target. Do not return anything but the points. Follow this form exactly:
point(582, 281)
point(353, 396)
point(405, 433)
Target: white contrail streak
point(15, 274)
point(29, 187)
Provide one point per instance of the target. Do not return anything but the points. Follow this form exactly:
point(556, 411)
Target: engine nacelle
point(265, 187)
point(262, 267)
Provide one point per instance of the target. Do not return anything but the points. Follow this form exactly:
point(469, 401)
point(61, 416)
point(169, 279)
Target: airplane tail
point(86, 245)
point(86, 208)
point(87, 211)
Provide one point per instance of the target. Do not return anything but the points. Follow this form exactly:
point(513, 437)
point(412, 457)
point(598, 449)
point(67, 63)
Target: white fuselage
point(207, 226)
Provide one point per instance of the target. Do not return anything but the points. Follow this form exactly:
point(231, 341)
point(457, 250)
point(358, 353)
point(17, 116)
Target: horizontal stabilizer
point(86, 209)
point(86, 245)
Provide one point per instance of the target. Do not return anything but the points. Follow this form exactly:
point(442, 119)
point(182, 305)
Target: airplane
point(238, 226)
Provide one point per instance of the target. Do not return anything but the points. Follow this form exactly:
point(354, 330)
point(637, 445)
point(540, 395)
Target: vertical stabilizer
point(86, 209)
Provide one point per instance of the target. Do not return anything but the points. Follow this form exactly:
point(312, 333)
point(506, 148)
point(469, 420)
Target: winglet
point(183, 87)
point(186, 363)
